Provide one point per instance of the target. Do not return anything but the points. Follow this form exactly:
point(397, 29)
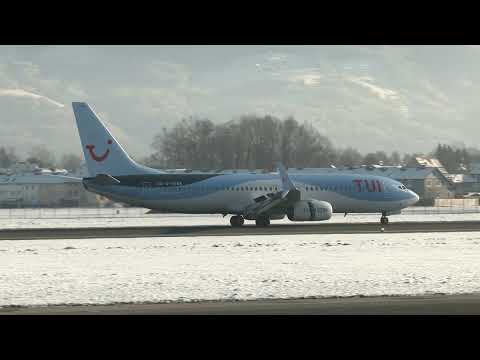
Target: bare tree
point(41, 156)
point(350, 157)
point(7, 157)
point(71, 162)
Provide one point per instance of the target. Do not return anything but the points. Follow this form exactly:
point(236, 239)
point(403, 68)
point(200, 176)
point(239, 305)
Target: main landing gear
point(262, 221)
point(237, 221)
point(384, 219)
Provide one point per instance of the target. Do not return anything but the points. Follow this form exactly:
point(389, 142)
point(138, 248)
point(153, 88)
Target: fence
point(69, 213)
point(463, 203)
point(134, 212)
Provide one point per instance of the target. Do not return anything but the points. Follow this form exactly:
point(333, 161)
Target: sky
point(403, 98)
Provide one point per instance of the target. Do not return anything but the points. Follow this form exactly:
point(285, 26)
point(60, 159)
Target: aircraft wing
point(287, 195)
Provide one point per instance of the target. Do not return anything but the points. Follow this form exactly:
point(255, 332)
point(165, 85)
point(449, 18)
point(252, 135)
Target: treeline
point(41, 156)
point(254, 142)
point(250, 142)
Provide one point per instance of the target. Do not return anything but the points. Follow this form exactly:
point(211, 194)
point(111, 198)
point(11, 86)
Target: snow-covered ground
point(83, 217)
point(99, 271)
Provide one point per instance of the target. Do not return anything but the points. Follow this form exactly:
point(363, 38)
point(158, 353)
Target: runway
point(226, 230)
point(383, 305)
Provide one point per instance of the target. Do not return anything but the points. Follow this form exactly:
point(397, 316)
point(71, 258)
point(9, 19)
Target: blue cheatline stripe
point(210, 185)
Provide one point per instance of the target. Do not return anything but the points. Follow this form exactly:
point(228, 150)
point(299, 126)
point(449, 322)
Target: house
point(44, 191)
point(475, 172)
point(26, 185)
point(463, 183)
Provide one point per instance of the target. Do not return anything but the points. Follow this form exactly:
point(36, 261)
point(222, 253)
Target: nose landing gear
point(237, 221)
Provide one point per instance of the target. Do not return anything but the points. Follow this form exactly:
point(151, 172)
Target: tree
point(71, 162)
point(371, 159)
point(41, 156)
point(7, 157)
point(473, 154)
point(350, 157)
point(454, 159)
point(249, 142)
point(409, 160)
point(395, 159)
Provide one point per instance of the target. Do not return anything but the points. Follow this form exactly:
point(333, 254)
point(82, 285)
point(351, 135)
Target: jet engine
point(309, 210)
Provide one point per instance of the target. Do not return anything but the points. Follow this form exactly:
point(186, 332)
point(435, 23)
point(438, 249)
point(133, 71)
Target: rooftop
point(475, 169)
point(37, 179)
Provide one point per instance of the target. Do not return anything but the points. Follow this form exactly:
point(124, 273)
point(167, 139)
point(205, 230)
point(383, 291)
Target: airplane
point(245, 196)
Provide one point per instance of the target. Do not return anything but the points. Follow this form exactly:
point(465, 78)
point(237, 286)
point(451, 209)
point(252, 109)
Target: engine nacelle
point(310, 210)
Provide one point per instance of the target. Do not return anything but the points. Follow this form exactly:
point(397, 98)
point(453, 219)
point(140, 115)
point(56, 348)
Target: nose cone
point(415, 197)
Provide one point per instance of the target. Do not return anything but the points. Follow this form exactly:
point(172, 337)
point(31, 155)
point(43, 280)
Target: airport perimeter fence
point(74, 212)
point(136, 212)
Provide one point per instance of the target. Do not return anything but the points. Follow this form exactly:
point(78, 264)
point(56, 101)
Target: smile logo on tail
point(95, 156)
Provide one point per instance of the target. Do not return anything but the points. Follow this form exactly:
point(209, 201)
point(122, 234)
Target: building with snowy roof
point(43, 190)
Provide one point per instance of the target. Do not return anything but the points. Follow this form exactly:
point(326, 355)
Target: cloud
point(382, 93)
point(28, 94)
point(307, 76)
point(307, 79)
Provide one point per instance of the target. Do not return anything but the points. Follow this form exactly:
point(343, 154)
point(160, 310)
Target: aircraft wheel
point(384, 220)
point(237, 221)
point(262, 221)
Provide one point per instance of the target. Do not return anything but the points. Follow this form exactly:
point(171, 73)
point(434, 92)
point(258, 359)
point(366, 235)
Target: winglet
point(286, 182)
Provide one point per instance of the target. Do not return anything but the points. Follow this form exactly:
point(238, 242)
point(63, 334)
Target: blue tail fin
point(103, 154)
